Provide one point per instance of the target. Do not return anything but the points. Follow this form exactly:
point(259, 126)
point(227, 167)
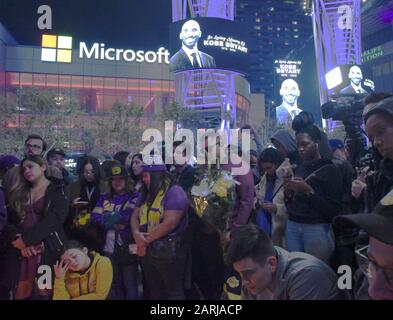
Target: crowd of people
point(125, 229)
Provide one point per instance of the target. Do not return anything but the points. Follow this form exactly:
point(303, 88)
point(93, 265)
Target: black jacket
point(55, 215)
point(52, 221)
point(325, 204)
point(186, 178)
point(379, 184)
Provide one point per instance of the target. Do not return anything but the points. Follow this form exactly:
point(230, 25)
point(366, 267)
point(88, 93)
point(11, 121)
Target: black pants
point(164, 277)
point(207, 266)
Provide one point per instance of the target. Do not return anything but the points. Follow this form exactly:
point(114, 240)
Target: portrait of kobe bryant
point(288, 109)
point(189, 57)
point(355, 77)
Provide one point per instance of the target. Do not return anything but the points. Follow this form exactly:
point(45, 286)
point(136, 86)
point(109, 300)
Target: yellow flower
point(84, 219)
point(221, 191)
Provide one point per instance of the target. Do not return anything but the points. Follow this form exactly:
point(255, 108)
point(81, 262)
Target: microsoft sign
point(99, 51)
point(59, 49)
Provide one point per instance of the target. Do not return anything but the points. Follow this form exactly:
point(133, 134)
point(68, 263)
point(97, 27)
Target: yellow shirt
point(94, 284)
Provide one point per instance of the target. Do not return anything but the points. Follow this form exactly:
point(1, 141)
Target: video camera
point(348, 108)
point(344, 106)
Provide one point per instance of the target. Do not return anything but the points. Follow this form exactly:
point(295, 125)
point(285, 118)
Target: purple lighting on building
point(386, 16)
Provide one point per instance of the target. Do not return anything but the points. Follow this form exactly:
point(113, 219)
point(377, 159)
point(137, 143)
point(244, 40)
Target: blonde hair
point(11, 179)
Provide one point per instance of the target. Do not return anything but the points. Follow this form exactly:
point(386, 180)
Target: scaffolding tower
point(337, 37)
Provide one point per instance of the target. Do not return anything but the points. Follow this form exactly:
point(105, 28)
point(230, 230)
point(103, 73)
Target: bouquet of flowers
point(213, 198)
point(82, 219)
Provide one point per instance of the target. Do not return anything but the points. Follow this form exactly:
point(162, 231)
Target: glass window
point(144, 86)
point(87, 82)
point(109, 83)
point(97, 83)
point(100, 103)
point(26, 79)
point(132, 84)
point(39, 80)
point(52, 81)
point(77, 82)
point(109, 100)
point(65, 82)
point(121, 84)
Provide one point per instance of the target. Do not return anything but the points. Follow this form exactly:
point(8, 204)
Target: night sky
point(139, 24)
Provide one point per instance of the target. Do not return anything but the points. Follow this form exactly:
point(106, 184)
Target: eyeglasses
point(369, 267)
point(88, 173)
point(32, 146)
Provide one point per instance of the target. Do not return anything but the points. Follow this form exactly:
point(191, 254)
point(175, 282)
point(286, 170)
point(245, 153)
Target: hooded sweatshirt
point(288, 142)
point(93, 284)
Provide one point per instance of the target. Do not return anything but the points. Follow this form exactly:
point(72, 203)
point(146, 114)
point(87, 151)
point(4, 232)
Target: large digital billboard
point(287, 74)
point(296, 86)
point(208, 43)
point(349, 79)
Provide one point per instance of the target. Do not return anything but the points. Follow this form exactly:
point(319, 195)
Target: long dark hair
point(96, 167)
point(158, 180)
point(132, 175)
point(270, 155)
point(130, 187)
point(18, 197)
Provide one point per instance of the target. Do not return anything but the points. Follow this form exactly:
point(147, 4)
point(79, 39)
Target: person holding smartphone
point(313, 198)
point(271, 215)
point(83, 196)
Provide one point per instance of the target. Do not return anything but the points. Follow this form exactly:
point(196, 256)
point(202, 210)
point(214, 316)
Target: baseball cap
point(54, 151)
point(336, 144)
point(378, 224)
point(117, 171)
point(8, 161)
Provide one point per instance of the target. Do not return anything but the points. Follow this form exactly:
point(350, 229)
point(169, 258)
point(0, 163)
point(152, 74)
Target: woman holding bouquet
point(158, 226)
point(112, 214)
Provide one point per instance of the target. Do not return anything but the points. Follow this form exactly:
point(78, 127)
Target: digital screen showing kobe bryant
point(350, 80)
point(287, 88)
point(288, 68)
point(208, 43)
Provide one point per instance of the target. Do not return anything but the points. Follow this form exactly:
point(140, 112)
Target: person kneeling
point(272, 273)
point(82, 275)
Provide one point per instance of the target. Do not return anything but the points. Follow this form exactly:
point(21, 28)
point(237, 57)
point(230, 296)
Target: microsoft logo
point(56, 48)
